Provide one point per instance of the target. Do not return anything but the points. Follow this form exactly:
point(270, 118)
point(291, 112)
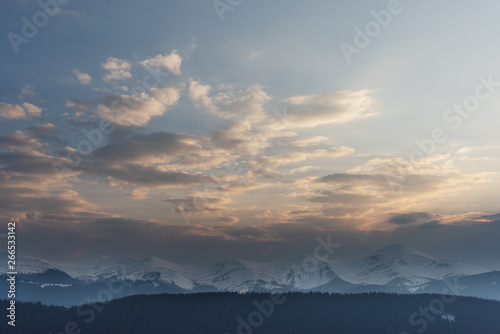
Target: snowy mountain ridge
point(398, 267)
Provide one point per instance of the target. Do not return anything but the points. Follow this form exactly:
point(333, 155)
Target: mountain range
point(395, 268)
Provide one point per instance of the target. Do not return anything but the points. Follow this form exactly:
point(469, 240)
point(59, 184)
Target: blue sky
point(250, 136)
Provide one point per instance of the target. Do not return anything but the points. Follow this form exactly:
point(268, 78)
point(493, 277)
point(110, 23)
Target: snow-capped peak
point(398, 263)
point(28, 265)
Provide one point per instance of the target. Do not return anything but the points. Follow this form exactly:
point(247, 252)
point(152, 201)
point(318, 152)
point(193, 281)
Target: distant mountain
point(101, 269)
point(26, 264)
point(395, 268)
point(409, 267)
point(38, 272)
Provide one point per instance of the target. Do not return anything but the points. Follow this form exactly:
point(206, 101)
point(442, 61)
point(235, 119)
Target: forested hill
point(293, 313)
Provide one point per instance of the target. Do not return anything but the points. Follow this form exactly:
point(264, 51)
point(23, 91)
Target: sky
point(198, 131)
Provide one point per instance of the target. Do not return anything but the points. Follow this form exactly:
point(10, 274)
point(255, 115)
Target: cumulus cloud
point(16, 111)
point(199, 93)
point(172, 62)
point(117, 69)
point(83, 78)
point(245, 128)
point(231, 103)
point(129, 110)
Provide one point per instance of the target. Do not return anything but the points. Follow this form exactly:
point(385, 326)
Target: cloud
point(436, 164)
point(299, 156)
point(338, 198)
point(69, 12)
point(138, 193)
point(256, 55)
point(354, 179)
point(199, 93)
point(77, 105)
point(302, 169)
point(83, 78)
point(266, 173)
point(45, 132)
point(381, 186)
point(491, 218)
point(20, 141)
point(307, 142)
point(229, 220)
point(27, 173)
point(245, 128)
point(158, 147)
point(308, 111)
point(24, 111)
point(155, 160)
point(172, 62)
point(264, 242)
point(146, 176)
point(117, 69)
point(241, 187)
point(129, 110)
point(409, 218)
point(28, 91)
point(30, 187)
point(230, 103)
point(239, 137)
point(200, 205)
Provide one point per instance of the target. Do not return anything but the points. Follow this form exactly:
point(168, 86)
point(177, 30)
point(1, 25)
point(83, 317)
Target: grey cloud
point(492, 218)
point(408, 218)
point(145, 159)
point(263, 242)
point(136, 146)
point(141, 175)
point(199, 205)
